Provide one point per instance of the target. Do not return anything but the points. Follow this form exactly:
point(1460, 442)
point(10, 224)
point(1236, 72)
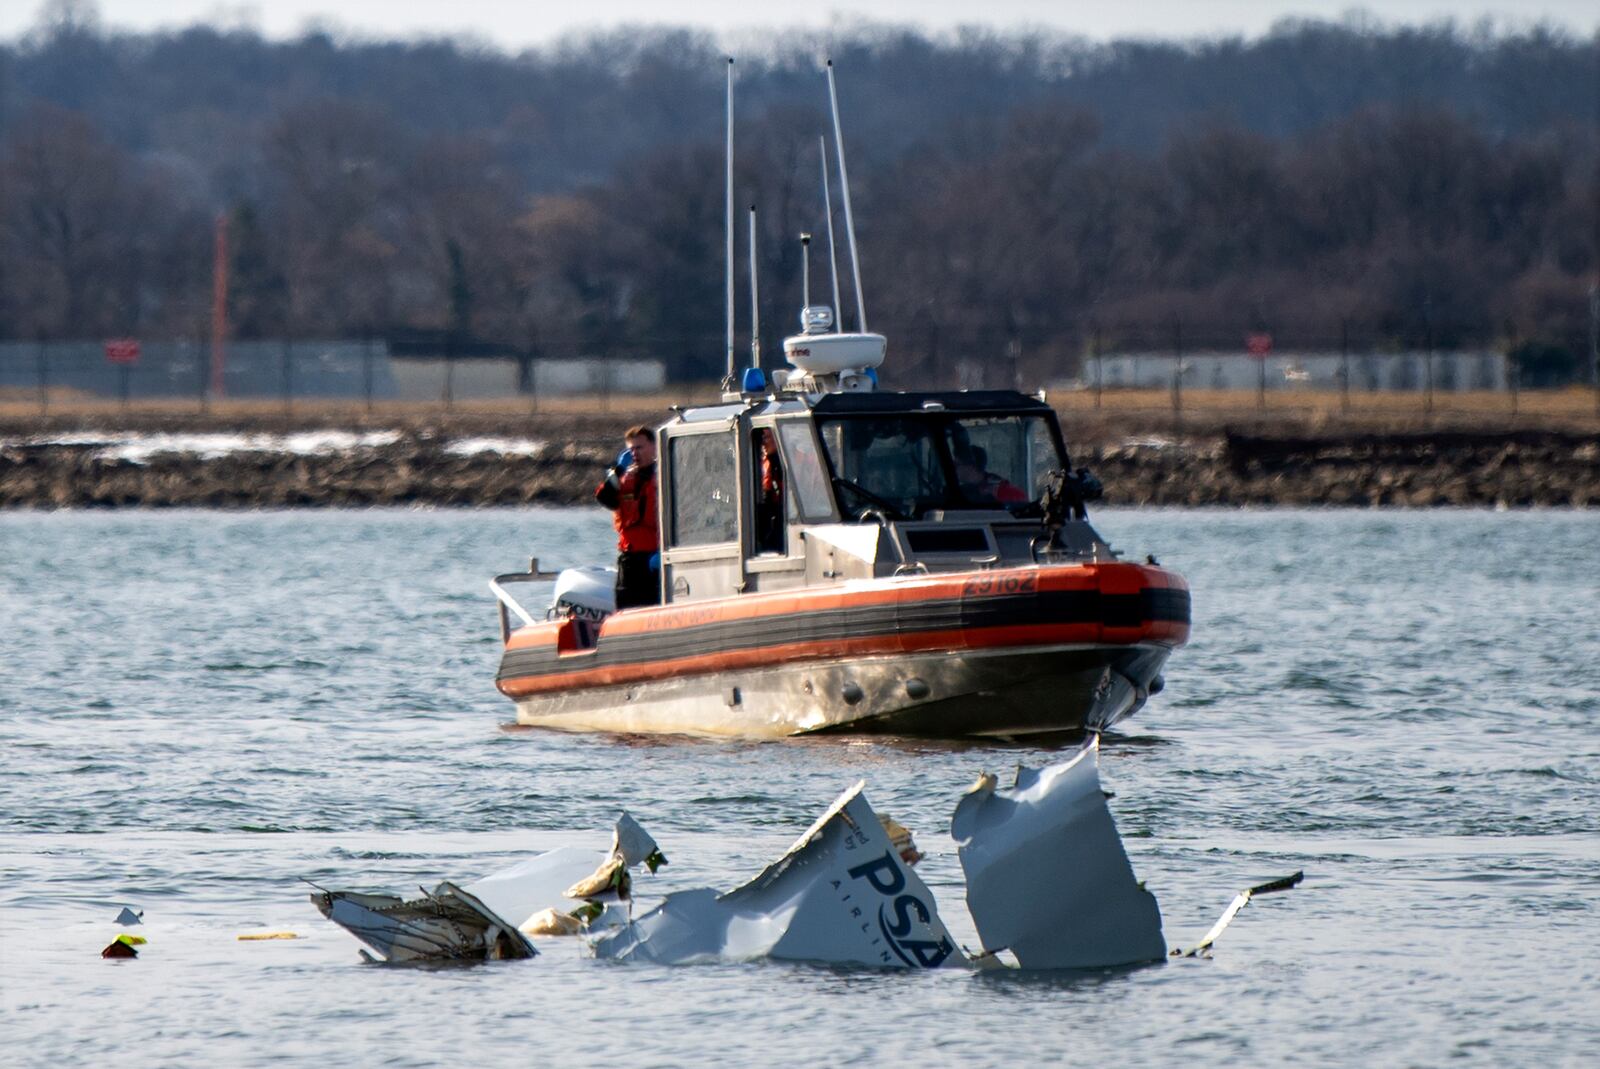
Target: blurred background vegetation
point(1018, 196)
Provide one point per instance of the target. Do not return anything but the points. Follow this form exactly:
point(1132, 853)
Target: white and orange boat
point(928, 568)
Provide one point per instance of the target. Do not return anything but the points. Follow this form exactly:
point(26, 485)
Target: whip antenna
point(827, 207)
point(755, 306)
point(844, 186)
point(728, 222)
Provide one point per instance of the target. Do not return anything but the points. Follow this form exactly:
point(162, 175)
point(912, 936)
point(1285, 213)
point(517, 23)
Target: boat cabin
point(788, 490)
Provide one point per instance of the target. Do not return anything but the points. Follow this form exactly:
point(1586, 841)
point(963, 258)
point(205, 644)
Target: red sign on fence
point(122, 350)
point(1258, 344)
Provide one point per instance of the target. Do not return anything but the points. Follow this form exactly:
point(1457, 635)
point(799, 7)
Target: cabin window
point(887, 464)
point(1002, 461)
point(901, 467)
point(704, 501)
point(807, 475)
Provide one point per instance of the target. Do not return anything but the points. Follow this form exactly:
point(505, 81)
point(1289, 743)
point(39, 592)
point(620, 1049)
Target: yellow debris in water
point(132, 940)
point(551, 922)
point(612, 875)
point(253, 937)
point(900, 839)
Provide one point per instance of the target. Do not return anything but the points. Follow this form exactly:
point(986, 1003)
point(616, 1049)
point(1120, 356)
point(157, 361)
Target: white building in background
point(428, 378)
point(1452, 371)
point(597, 376)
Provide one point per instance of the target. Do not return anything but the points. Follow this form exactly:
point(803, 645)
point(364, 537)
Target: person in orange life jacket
point(629, 491)
point(769, 503)
point(982, 486)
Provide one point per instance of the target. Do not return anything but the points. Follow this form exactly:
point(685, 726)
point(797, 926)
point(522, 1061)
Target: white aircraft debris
point(446, 924)
point(1047, 882)
point(491, 918)
point(1240, 900)
point(842, 895)
point(1047, 878)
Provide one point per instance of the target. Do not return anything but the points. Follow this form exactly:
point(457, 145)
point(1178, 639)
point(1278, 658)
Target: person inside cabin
point(770, 527)
point(982, 486)
point(629, 491)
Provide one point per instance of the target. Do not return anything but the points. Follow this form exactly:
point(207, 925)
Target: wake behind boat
point(837, 558)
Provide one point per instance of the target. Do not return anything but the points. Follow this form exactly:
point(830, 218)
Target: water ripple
point(1401, 704)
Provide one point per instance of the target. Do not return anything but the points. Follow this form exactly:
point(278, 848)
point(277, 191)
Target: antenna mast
point(805, 270)
point(844, 185)
point(833, 257)
point(755, 307)
point(728, 223)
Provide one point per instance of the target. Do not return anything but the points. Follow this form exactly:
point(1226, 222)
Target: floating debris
point(842, 895)
point(610, 879)
point(123, 947)
point(443, 925)
point(127, 918)
point(472, 922)
point(553, 922)
point(900, 838)
point(1047, 877)
point(1240, 900)
point(1047, 881)
point(1048, 885)
point(261, 937)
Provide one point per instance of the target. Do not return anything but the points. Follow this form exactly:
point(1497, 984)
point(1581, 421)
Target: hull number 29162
point(986, 585)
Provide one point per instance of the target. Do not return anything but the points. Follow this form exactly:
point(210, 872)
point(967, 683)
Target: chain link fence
point(1162, 365)
point(127, 372)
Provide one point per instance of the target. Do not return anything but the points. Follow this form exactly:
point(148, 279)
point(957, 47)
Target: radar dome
point(829, 354)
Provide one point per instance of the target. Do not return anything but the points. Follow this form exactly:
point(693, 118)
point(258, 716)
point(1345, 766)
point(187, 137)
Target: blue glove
point(625, 459)
point(655, 562)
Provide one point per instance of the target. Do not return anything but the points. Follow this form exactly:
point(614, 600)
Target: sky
point(514, 24)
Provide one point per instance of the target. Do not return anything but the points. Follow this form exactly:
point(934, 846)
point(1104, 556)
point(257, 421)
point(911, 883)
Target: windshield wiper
point(890, 509)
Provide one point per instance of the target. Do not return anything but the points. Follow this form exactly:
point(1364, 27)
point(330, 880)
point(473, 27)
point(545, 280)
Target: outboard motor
point(588, 593)
point(586, 596)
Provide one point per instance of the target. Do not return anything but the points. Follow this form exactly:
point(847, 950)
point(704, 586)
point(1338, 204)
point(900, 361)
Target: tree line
point(1020, 199)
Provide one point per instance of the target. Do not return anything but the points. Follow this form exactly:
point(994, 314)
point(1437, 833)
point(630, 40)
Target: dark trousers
point(637, 582)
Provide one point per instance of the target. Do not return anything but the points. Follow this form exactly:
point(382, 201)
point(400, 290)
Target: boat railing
point(509, 604)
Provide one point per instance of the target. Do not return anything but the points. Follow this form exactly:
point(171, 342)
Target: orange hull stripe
point(1113, 578)
point(1021, 635)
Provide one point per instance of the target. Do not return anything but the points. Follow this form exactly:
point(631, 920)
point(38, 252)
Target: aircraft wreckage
point(1048, 883)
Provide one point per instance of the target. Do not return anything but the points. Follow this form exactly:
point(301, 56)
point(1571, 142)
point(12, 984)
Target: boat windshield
point(904, 466)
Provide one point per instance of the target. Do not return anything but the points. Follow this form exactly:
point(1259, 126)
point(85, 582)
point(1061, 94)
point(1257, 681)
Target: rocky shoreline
point(1513, 469)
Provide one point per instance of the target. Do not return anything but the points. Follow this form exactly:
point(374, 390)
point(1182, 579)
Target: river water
point(199, 709)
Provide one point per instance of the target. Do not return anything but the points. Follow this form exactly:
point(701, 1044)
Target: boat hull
point(1007, 692)
point(1007, 652)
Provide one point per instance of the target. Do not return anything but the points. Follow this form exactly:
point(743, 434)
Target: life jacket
point(771, 480)
point(1007, 493)
point(635, 515)
point(992, 487)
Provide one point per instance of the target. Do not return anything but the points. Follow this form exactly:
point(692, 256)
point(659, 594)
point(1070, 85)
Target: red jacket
point(632, 499)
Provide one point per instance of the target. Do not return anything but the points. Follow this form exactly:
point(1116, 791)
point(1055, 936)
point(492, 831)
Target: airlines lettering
point(895, 918)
